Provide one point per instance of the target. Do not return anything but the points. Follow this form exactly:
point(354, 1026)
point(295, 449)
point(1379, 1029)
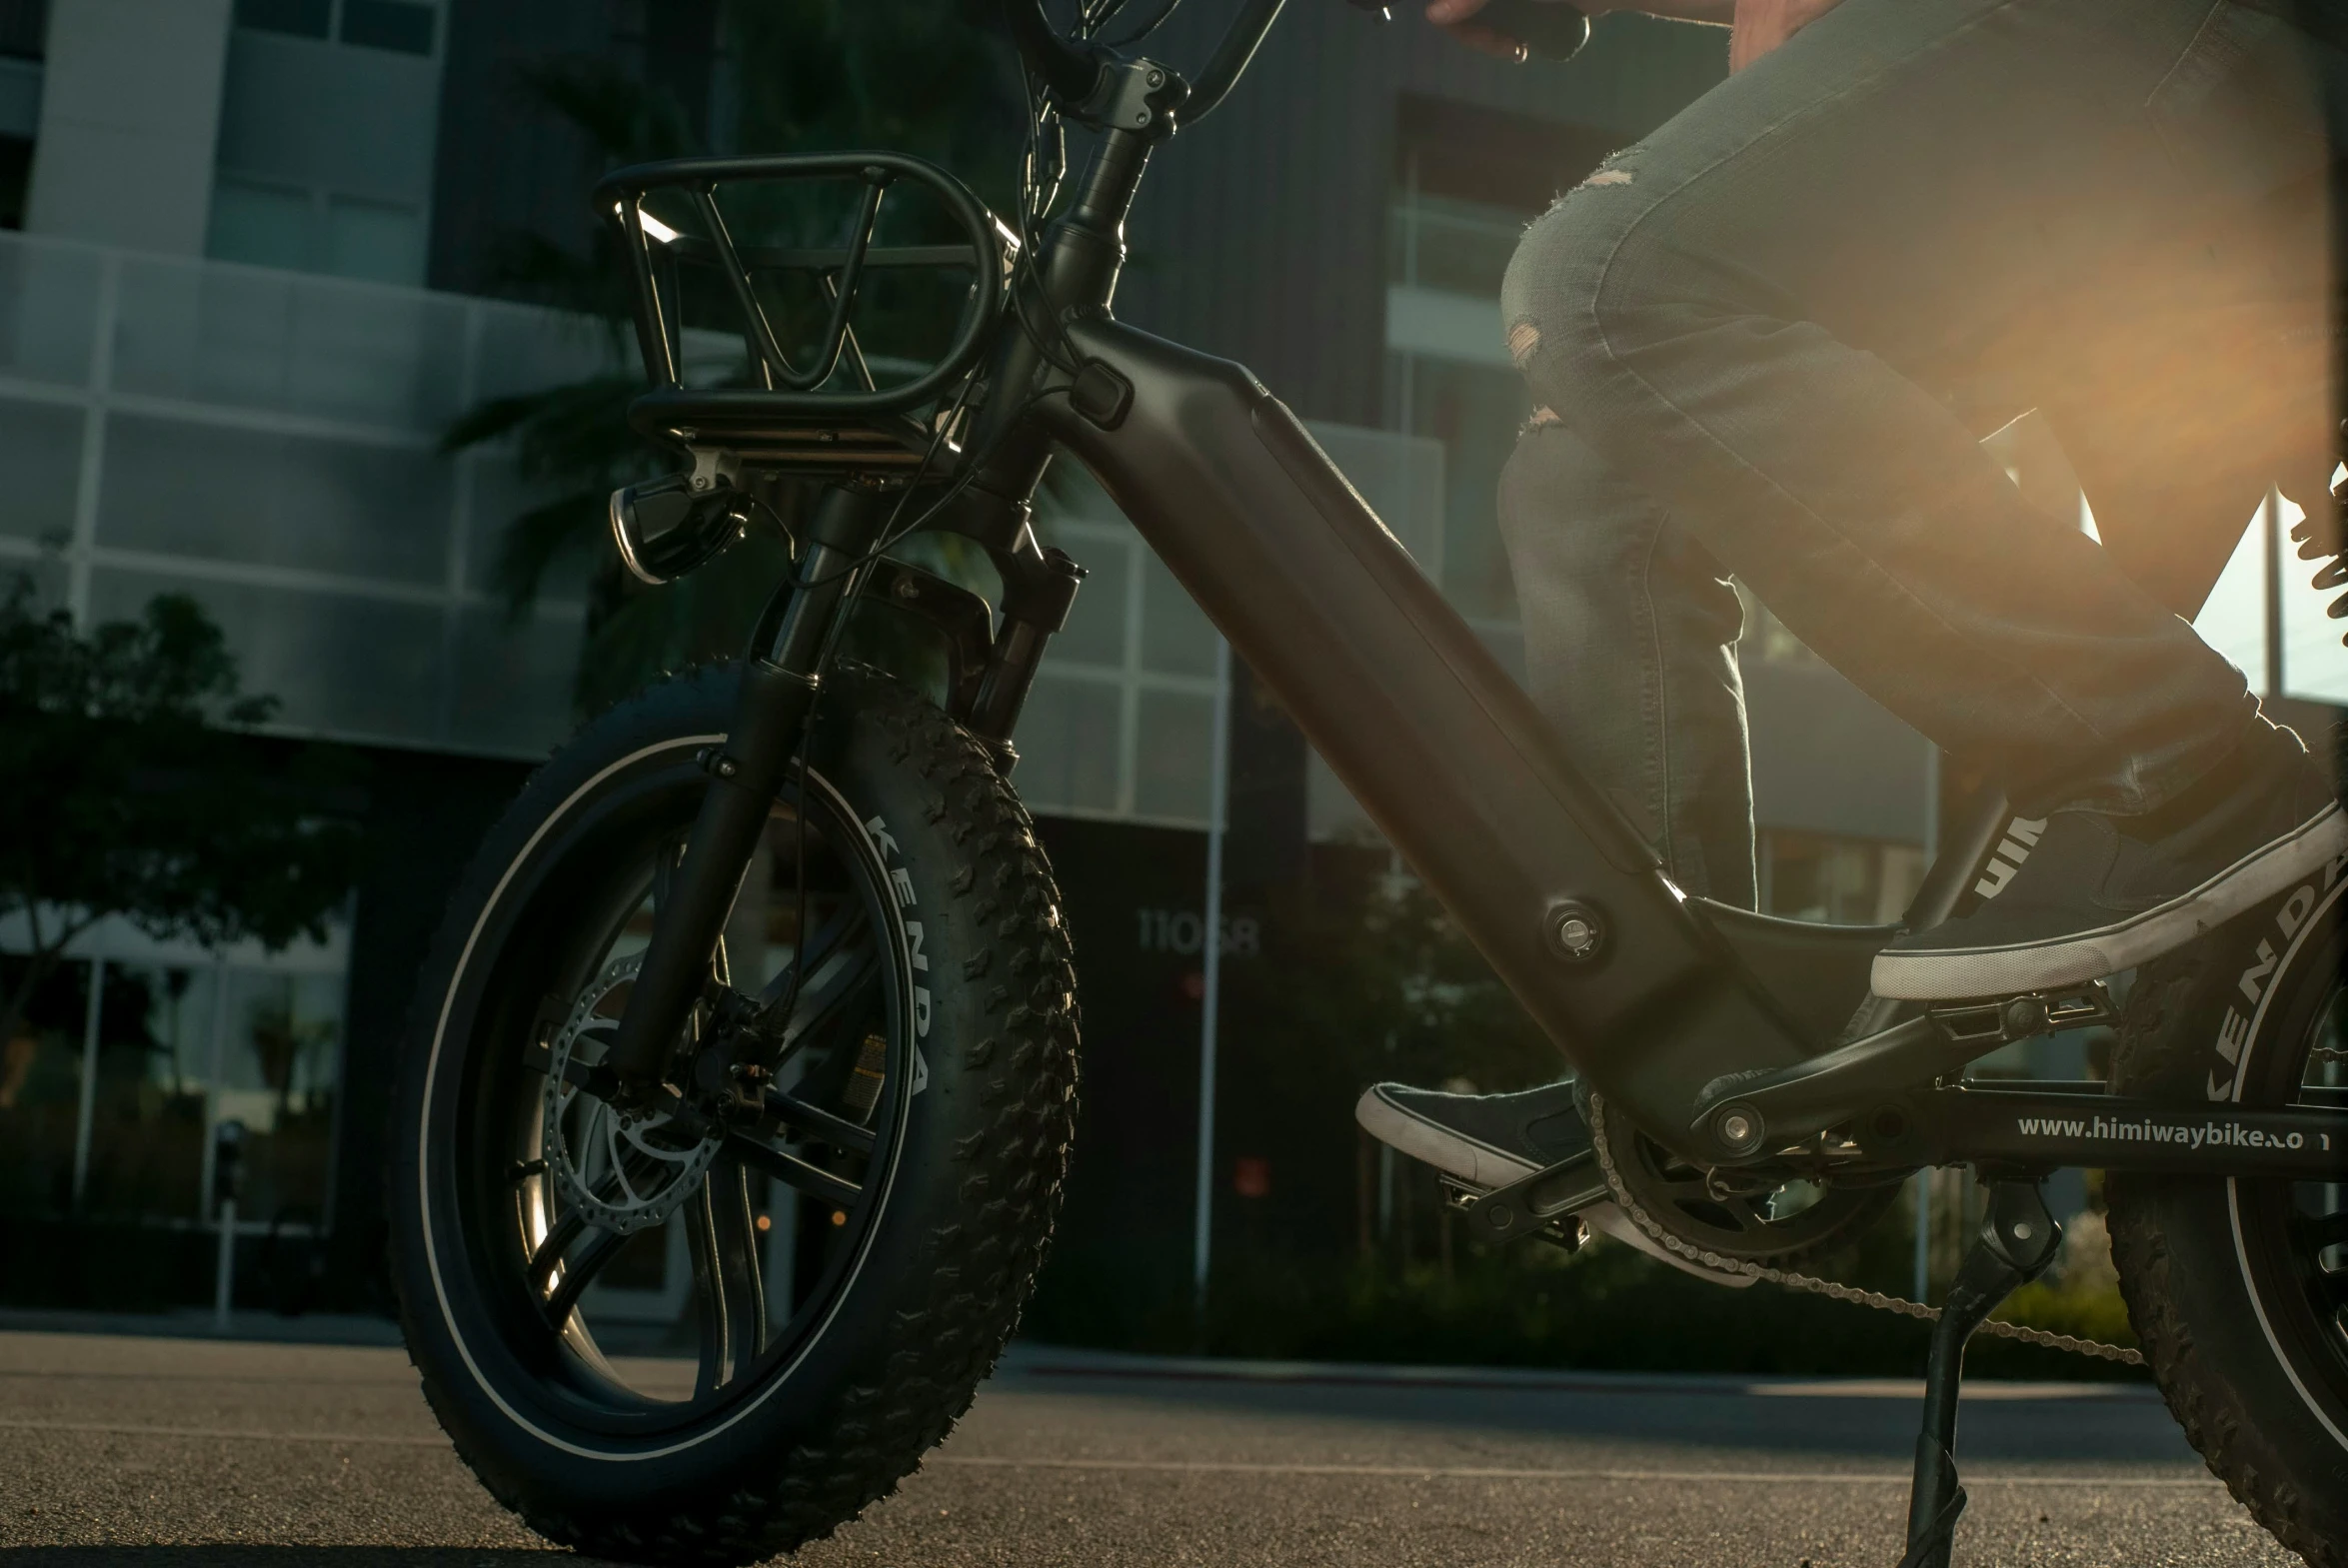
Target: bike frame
point(1714, 1030)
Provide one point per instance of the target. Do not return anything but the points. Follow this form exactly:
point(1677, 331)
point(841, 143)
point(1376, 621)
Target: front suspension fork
point(746, 770)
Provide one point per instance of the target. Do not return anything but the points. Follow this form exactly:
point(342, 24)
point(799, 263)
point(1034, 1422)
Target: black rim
point(754, 1236)
point(2294, 1235)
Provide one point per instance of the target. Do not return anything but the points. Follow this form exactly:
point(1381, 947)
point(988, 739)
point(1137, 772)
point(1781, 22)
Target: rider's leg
point(1733, 314)
point(1631, 632)
point(2176, 432)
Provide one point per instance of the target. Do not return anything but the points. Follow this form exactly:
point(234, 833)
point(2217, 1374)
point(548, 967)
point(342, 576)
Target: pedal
point(2009, 1019)
point(1543, 1204)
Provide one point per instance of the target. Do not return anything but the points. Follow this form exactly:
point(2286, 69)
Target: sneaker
point(1490, 1141)
point(2100, 893)
point(1486, 1140)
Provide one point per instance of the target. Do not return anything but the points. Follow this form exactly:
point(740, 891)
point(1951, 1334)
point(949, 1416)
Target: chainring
point(618, 1170)
point(1753, 1217)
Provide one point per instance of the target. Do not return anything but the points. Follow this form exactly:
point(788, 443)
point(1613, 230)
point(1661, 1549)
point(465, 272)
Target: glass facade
point(1120, 724)
point(329, 113)
point(109, 1103)
point(268, 442)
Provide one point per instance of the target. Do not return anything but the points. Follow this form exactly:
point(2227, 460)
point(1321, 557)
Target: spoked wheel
point(767, 1172)
point(2239, 1289)
point(713, 1324)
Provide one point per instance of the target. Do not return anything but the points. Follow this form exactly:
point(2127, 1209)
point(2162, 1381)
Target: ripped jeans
point(1764, 342)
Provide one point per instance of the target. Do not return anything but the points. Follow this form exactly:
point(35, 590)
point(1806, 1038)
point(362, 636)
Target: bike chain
point(1811, 1283)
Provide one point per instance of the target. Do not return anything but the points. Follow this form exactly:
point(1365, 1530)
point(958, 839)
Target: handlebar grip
point(1549, 30)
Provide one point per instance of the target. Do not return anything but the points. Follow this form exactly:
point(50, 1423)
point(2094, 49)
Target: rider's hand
point(1456, 17)
point(1761, 25)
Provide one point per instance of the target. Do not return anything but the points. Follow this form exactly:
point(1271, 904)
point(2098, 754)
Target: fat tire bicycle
point(766, 966)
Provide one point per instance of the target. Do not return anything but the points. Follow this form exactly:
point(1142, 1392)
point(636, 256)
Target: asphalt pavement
point(180, 1453)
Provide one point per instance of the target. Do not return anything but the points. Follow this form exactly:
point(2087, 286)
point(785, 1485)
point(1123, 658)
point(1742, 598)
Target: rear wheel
point(715, 1327)
point(2239, 1289)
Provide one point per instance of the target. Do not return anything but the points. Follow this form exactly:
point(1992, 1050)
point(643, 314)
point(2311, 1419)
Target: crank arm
point(1750, 1119)
point(1525, 1205)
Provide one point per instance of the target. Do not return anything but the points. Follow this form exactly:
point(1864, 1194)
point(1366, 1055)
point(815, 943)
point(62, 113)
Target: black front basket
point(826, 410)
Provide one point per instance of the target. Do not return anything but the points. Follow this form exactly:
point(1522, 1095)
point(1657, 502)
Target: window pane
point(40, 1090)
point(1475, 413)
point(147, 1117)
point(48, 312)
point(1175, 749)
point(343, 666)
point(306, 17)
point(374, 240)
point(1461, 247)
point(41, 453)
point(388, 24)
point(363, 511)
point(280, 1063)
point(1068, 743)
point(276, 340)
point(1095, 629)
point(266, 225)
point(1843, 882)
point(1175, 637)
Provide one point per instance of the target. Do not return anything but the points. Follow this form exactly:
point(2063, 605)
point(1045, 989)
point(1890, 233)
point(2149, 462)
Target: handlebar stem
point(1078, 262)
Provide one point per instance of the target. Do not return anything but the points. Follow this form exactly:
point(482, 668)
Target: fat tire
point(976, 1190)
point(2173, 1239)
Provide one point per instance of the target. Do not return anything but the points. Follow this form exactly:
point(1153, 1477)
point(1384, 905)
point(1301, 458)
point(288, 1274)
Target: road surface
point(134, 1452)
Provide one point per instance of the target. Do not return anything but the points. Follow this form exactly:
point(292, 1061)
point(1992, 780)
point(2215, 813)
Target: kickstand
point(2018, 1238)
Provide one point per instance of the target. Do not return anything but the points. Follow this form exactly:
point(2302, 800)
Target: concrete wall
point(130, 115)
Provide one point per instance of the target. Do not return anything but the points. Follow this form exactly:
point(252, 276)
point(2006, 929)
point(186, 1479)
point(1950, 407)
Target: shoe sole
point(1956, 973)
point(1454, 1153)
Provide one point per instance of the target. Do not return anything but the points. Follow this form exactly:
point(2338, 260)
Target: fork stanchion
point(2017, 1240)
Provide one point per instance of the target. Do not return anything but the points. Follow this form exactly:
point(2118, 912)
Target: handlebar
point(1072, 70)
point(1547, 29)
point(1231, 57)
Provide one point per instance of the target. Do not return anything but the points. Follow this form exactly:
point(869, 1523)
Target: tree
point(814, 75)
point(131, 787)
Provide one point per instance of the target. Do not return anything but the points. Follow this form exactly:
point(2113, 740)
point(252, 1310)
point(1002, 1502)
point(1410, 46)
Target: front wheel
point(2239, 1288)
point(714, 1327)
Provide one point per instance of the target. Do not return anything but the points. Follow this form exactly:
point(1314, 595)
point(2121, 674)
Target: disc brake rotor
point(620, 1171)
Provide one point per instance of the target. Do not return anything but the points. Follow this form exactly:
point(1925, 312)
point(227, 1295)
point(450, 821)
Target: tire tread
point(985, 1260)
point(2155, 1048)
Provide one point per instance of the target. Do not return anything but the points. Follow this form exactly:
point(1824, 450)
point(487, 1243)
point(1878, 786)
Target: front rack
point(825, 411)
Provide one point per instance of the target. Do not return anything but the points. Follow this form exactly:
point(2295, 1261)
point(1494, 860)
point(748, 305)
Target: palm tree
point(814, 75)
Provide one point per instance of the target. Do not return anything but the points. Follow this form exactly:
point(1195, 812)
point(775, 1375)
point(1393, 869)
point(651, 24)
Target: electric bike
point(766, 966)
